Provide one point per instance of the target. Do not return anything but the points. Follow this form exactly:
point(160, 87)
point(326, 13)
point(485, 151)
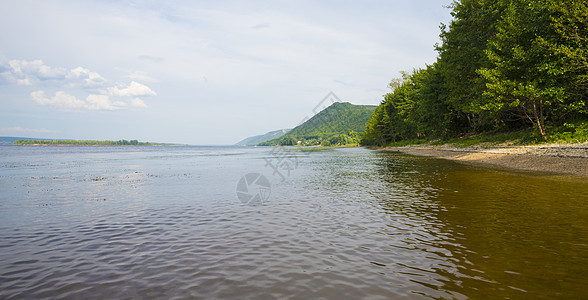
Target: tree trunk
point(539, 119)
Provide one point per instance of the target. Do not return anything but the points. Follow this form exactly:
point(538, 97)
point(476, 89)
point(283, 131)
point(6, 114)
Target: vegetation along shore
point(509, 88)
point(503, 67)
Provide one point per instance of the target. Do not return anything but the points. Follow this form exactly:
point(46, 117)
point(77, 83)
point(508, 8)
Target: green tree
point(502, 65)
point(436, 117)
point(376, 127)
point(461, 54)
point(570, 20)
point(288, 141)
point(526, 77)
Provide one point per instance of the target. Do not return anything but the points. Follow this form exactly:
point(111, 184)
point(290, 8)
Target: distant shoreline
point(41, 142)
point(150, 145)
point(556, 158)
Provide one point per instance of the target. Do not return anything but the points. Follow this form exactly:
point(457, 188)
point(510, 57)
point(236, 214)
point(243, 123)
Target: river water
point(186, 222)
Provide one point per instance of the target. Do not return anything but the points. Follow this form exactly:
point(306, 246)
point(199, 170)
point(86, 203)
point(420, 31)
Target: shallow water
point(147, 222)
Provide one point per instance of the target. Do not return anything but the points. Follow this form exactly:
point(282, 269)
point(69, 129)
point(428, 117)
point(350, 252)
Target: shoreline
point(569, 159)
point(87, 145)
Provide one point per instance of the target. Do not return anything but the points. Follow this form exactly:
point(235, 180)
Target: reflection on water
point(509, 235)
point(146, 222)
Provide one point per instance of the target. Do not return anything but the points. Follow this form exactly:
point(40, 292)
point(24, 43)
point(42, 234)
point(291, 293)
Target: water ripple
point(350, 224)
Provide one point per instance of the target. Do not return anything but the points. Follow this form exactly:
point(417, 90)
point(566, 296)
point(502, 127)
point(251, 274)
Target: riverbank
point(558, 158)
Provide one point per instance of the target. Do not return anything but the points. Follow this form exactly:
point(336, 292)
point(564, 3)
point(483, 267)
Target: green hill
point(339, 124)
point(254, 140)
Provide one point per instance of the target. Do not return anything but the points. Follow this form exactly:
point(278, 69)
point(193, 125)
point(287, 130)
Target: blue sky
point(199, 72)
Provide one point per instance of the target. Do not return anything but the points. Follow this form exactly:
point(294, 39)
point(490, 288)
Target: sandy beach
point(558, 158)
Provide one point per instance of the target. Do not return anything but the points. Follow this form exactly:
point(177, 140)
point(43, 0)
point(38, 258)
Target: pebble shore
point(556, 158)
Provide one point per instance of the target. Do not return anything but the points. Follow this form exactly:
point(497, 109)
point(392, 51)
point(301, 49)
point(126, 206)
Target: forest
point(340, 124)
point(517, 66)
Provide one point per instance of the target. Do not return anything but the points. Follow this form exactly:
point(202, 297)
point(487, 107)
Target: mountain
point(339, 124)
point(254, 140)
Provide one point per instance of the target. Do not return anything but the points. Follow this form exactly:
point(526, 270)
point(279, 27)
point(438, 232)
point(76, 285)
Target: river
point(283, 223)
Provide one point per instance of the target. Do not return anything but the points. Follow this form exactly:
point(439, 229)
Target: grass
point(410, 143)
point(523, 137)
point(576, 132)
point(573, 132)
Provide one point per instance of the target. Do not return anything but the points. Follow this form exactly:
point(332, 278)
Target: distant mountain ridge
point(339, 124)
point(254, 140)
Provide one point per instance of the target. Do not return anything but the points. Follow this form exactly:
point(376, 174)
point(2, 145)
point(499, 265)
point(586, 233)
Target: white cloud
point(46, 72)
point(78, 80)
point(136, 102)
point(30, 72)
point(27, 70)
point(99, 102)
point(133, 90)
point(23, 72)
point(92, 102)
point(88, 78)
point(23, 66)
point(61, 99)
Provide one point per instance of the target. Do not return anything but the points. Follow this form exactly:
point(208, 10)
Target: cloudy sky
point(199, 72)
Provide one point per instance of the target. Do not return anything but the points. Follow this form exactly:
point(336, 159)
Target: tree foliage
point(339, 124)
point(502, 65)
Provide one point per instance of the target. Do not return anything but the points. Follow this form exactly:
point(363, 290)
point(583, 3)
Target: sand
point(556, 158)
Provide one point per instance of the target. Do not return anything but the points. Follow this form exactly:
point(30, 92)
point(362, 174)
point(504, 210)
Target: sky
point(200, 72)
